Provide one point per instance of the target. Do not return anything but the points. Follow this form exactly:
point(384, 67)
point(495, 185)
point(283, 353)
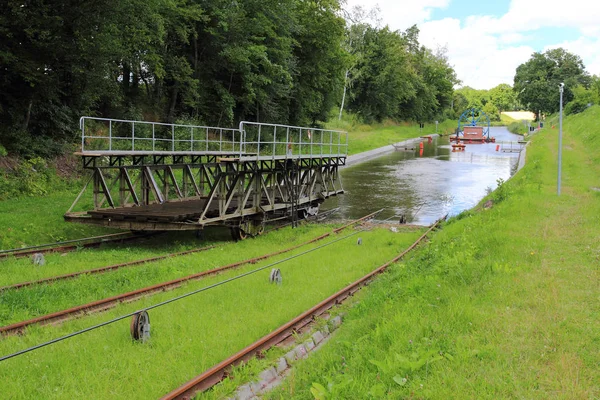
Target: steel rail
point(58, 246)
point(102, 270)
point(107, 303)
point(174, 299)
point(114, 267)
point(218, 372)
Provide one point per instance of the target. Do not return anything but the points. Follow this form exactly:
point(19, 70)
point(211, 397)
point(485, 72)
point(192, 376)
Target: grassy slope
point(503, 303)
point(37, 220)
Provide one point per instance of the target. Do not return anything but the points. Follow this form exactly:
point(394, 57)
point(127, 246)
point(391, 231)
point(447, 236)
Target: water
point(424, 188)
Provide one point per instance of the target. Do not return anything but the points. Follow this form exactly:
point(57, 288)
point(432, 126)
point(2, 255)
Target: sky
point(486, 40)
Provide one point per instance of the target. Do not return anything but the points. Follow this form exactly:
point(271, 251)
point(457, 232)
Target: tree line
point(536, 87)
point(537, 81)
point(493, 101)
point(213, 62)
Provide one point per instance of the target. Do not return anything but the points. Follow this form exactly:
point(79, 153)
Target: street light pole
point(561, 89)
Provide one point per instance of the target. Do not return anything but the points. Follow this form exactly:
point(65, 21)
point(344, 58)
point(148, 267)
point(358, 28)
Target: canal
point(426, 186)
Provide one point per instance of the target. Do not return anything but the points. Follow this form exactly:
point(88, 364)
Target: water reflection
point(425, 187)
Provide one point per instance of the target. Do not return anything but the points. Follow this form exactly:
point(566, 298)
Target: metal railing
point(274, 140)
point(252, 139)
point(104, 134)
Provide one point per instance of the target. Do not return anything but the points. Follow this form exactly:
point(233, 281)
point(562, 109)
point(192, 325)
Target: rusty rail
point(102, 269)
point(218, 372)
point(107, 303)
point(114, 267)
point(57, 247)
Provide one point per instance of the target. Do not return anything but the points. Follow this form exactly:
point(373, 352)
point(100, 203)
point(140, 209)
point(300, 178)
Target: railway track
point(218, 372)
point(74, 244)
point(107, 303)
point(114, 267)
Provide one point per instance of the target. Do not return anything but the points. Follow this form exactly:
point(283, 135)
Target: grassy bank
point(503, 303)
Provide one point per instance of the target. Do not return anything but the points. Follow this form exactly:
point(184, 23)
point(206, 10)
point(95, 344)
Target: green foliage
point(517, 127)
point(492, 111)
point(473, 98)
point(537, 80)
point(492, 102)
point(503, 97)
point(393, 76)
point(502, 191)
point(582, 99)
point(215, 61)
point(30, 177)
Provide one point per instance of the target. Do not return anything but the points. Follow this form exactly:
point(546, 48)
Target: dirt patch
point(66, 166)
point(8, 164)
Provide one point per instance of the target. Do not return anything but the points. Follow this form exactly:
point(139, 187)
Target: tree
point(475, 98)
point(536, 81)
point(492, 111)
point(503, 97)
point(396, 77)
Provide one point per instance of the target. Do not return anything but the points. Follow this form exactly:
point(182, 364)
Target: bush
point(518, 128)
point(30, 177)
point(576, 106)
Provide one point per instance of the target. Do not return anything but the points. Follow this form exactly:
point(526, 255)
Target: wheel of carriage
point(260, 230)
point(238, 234)
point(308, 212)
point(302, 214)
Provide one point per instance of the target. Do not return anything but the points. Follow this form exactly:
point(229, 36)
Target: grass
point(505, 120)
point(188, 336)
point(503, 303)
point(363, 137)
point(31, 221)
point(29, 302)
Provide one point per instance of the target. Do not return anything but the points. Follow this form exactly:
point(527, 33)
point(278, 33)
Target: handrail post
point(300, 143)
point(192, 139)
point(240, 129)
point(274, 142)
point(153, 138)
point(82, 124)
point(172, 137)
point(258, 141)
point(346, 144)
point(220, 139)
point(132, 136)
point(287, 142)
point(321, 146)
point(109, 135)
point(311, 144)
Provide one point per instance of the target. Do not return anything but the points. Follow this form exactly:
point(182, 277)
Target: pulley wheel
point(140, 326)
point(275, 276)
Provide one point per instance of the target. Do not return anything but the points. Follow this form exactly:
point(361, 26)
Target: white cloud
point(585, 47)
point(530, 15)
point(486, 50)
point(401, 14)
point(481, 61)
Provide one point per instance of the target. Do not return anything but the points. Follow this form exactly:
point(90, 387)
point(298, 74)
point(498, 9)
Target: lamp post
point(561, 89)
